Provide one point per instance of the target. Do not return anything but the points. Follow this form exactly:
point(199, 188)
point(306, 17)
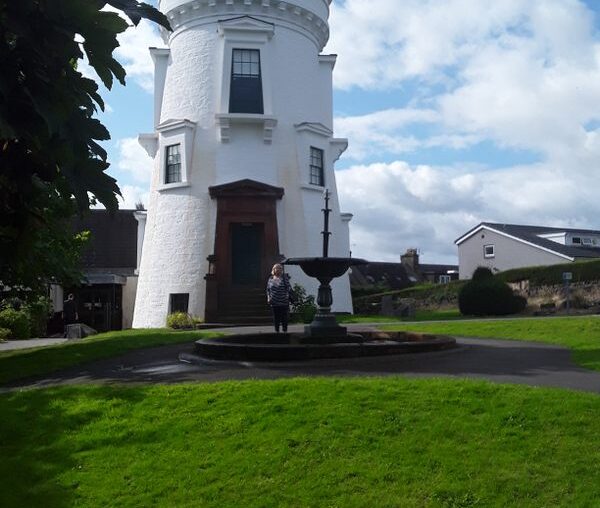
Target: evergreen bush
point(17, 321)
point(303, 310)
point(4, 334)
point(180, 321)
point(39, 312)
point(485, 295)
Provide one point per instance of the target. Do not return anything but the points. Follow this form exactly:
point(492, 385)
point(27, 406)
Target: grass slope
point(18, 364)
point(581, 334)
point(289, 443)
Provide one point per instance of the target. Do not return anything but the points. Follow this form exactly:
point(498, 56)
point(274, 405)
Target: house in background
point(504, 246)
point(109, 262)
point(401, 275)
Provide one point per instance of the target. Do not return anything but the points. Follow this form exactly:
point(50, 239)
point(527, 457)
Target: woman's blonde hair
point(276, 265)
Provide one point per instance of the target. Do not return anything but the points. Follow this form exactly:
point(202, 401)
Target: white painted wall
point(193, 84)
point(509, 253)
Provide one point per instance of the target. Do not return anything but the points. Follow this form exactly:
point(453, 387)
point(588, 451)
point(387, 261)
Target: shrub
point(4, 334)
point(17, 321)
point(484, 295)
point(180, 320)
point(39, 312)
point(304, 308)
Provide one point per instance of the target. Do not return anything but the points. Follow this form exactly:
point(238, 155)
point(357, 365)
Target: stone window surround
point(244, 33)
point(169, 133)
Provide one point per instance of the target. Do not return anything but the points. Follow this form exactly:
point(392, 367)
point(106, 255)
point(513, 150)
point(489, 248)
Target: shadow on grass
point(37, 452)
point(588, 358)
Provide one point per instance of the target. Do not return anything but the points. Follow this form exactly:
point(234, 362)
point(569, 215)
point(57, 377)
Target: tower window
point(246, 85)
point(173, 164)
point(316, 166)
point(179, 302)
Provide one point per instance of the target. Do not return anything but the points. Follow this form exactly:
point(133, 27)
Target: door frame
point(237, 202)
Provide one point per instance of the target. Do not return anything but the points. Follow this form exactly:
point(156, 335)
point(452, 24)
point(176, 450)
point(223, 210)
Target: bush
point(583, 271)
point(4, 334)
point(484, 295)
point(303, 310)
point(17, 321)
point(39, 313)
point(180, 321)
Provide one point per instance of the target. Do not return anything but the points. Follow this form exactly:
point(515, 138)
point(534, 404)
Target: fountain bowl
point(298, 347)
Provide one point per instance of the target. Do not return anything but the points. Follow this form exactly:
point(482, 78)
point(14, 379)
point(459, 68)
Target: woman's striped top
point(278, 291)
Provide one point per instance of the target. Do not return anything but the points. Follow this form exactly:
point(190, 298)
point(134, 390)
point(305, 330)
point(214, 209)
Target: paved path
point(29, 343)
point(496, 360)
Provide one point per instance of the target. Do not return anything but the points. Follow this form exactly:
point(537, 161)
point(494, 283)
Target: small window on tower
point(179, 302)
point(173, 164)
point(246, 94)
point(316, 166)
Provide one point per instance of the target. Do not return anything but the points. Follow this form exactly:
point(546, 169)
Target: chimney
point(411, 260)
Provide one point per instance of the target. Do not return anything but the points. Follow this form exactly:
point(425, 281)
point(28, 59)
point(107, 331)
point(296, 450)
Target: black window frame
point(317, 167)
point(245, 90)
point(179, 302)
point(173, 164)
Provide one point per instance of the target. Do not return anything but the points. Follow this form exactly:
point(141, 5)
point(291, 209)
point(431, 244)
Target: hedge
point(583, 271)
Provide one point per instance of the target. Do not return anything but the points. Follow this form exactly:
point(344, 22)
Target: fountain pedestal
point(324, 327)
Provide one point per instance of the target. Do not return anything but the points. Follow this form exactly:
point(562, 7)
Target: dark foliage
point(583, 271)
point(51, 162)
point(485, 295)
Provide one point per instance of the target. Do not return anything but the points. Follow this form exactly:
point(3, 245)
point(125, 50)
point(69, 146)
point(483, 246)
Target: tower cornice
point(184, 14)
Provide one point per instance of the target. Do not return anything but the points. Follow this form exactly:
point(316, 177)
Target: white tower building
point(243, 150)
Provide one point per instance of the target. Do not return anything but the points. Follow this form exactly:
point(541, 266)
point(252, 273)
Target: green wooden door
point(246, 253)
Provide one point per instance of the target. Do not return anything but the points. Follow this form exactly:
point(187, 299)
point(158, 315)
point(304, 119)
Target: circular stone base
point(295, 346)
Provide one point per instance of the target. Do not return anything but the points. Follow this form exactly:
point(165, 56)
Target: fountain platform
point(298, 346)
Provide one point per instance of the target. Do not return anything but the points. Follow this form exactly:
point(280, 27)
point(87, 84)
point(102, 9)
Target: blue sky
point(457, 112)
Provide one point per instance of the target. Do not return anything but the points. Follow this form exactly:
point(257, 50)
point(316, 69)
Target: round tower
point(243, 151)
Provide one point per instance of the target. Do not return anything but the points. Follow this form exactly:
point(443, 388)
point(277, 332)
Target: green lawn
point(17, 364)
point(581, 334)
point(301, 442)
point(420, 315)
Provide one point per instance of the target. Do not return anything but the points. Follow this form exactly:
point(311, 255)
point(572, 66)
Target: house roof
point(530, 235)
point(392, 274)
point(113, 242)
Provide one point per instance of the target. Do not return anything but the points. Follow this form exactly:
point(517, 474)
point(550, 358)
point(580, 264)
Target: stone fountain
point(324, 337)
point(325, 327)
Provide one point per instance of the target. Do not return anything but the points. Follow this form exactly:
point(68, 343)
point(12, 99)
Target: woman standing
point(278, 297)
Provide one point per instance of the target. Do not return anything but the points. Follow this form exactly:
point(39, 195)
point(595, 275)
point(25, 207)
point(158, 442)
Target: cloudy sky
point(457, 112)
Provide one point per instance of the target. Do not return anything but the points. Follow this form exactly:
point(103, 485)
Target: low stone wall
point(582, 294)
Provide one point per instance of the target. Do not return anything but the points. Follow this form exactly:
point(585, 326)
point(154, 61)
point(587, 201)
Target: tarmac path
point(499, 361)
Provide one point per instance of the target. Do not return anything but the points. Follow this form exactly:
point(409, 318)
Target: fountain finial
point(326, 234)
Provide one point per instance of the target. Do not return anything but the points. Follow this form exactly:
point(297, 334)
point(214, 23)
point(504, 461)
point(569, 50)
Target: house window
point(489, 251)
point(577, 240)
point(246, 94)
point(316, 166)
point(444, 279)
point(587, 241)
point(173, 164)
point(179, 302)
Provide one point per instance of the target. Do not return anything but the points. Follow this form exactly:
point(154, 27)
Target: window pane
point(316, 166)
point(173, 164)
point(246, 95)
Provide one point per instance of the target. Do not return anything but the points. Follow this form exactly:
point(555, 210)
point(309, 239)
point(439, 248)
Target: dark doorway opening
point(246, 253)
point(99, 306)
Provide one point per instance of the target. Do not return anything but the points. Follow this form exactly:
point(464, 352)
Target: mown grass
point(18, 364)
point(580, 334)
point(302, 442)
point(420, 315)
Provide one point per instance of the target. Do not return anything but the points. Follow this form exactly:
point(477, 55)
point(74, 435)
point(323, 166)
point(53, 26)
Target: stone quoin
point(243, 150)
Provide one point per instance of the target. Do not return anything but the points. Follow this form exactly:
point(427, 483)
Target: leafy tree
point(51, 162)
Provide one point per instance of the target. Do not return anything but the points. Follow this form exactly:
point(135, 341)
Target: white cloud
point(397, 206)
point(515, 74)
point(132, 195)
point(133, 160)
point(134, 55)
